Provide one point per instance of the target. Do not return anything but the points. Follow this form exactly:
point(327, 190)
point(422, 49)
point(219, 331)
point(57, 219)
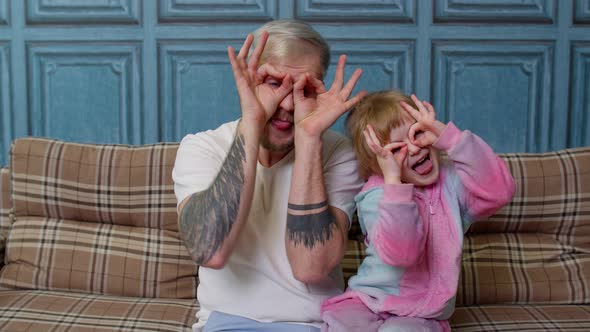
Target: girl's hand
point(389, 157)
point(427, 128)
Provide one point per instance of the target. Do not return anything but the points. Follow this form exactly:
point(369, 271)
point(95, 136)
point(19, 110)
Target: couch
point(89, 241)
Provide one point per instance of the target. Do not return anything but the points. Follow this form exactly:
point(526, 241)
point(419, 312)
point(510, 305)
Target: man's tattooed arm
point(208, 217)
point(315, 235)
point(310, 224)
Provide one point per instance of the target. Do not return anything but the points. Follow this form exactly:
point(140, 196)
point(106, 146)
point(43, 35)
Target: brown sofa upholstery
point(91, 243)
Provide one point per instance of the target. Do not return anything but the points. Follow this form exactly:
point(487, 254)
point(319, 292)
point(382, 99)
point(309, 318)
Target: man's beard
point(285, 147)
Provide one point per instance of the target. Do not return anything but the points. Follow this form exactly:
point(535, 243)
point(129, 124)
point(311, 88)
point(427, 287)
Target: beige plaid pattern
point(112, 184)
point(5, 205)
point(96, 218)
point(5, 210)
point(36, 310)
point(521, 318)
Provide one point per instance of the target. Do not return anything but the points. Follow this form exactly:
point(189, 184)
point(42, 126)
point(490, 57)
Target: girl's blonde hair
point(383, 112)
point(284, 37)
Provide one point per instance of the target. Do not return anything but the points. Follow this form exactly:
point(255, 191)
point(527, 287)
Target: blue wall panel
point(198, 91)
point(582, 11)
point(142, 71)
point(4, 12)
point(501, 91)
point(85, 93)
point(518, 11)
point(400, 11)
point(384, 65)
point(6, 111)
point(83, 12)
point(580, 116)
point(207, 10)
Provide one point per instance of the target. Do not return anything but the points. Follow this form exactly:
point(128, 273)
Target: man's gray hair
point(282, 34)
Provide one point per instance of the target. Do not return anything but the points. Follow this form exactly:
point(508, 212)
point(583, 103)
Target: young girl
point(413, 211)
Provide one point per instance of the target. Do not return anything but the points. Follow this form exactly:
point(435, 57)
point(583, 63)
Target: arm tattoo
point(310, 224)
point(208, 216)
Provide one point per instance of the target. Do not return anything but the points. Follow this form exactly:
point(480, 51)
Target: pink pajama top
point(414, 239)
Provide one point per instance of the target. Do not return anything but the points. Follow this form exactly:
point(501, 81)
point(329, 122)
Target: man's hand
point(427, 128)
point(389, 157)
point(260, 89)
point(317, 109)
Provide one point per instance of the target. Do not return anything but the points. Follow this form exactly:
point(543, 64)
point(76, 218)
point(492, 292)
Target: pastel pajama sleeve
point(398, 235)
point(484, 182)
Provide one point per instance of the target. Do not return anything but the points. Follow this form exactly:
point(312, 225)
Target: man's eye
point(272, 82)
point(309, 92)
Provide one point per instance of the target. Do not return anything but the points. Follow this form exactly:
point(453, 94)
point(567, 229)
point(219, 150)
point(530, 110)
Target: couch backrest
point(5, 210)
point(537, 248)
point(96, 218)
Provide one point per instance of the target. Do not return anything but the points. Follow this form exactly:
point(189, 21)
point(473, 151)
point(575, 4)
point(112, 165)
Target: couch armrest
point(5, 210)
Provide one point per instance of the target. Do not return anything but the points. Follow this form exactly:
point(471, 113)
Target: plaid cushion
point(5, 205)
point(58, 254)
point(5, 210)
point(522, 268)
point(552, 197)
point(96, 218)
point(113, 184)
point(522, 318)
point(54, 311)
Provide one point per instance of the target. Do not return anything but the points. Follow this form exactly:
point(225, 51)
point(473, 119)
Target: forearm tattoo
point(208, 216)
point(310, 224)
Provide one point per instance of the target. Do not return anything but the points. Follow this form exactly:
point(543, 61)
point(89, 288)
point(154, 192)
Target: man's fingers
point(354, 100)
point(339, 75)
point(231, 53)
point(269, 70)
point(347, 90)
point(285, 88)
point(246, 46)
point(255, 56)
point(317, 84)
point(299, 87)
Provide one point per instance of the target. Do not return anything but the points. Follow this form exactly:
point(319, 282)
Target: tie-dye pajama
point(414, 240)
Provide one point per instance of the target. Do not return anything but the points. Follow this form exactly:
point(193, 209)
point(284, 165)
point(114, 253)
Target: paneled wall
point(516, 72)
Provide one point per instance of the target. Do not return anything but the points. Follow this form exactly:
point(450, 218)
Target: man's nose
point(287, 103)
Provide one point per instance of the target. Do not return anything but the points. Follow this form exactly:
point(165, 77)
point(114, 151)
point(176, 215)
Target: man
point(265, 202)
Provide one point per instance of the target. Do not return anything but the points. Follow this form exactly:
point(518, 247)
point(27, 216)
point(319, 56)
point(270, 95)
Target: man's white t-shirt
point(257, 281)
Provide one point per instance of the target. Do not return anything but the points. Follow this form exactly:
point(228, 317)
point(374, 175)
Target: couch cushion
point(552, 197)
point(56, 254)
point(113, 184)
point(537, 248)
point(522, 268)
point(56, 311)
point(521, 318)
point(96, 218)
point(5, 203)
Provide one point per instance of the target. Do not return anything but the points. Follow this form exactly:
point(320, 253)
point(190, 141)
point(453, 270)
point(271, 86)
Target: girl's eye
point(418, 133)
point(396, 150)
